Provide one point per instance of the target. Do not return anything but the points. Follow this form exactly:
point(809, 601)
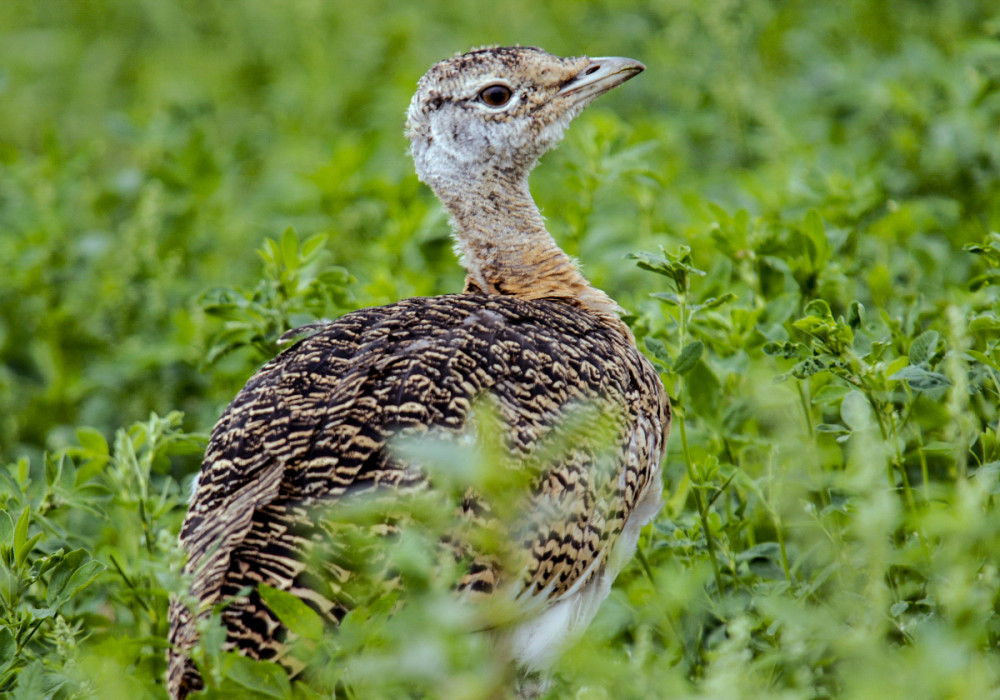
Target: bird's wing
point(598, 415)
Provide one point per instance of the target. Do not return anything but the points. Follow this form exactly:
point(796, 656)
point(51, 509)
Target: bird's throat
point(506, 249)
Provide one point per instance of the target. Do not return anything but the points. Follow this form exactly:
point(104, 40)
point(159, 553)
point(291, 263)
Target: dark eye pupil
point(495, 95)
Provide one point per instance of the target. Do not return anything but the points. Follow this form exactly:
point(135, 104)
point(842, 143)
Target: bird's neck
point(506, 249)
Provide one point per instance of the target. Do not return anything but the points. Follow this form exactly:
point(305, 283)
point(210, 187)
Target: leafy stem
point(677, 267)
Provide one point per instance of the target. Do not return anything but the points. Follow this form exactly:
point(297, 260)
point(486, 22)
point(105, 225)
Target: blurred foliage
point(811, 192)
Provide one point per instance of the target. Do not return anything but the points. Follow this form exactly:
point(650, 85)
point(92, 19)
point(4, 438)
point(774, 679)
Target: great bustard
point(528, 333)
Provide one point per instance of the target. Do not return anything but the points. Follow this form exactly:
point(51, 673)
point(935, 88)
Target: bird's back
point(313, 428)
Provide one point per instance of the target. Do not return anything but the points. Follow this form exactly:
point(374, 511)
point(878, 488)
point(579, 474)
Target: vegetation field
point(798, 203)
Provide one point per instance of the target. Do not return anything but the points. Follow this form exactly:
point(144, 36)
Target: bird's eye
point(495, 95)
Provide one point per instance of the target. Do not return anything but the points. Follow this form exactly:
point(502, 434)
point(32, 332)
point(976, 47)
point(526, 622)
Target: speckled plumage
point(529, 334)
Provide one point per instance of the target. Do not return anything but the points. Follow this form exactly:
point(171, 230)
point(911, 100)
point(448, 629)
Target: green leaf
point(92, 440)
point(74, 572)
point(831, 393)
point(819, 307)
point(787, 350)
point(817, 244)
point(689, 357)
point(715, 302)
point(53, 469)
point(897, 609)
point(289, 248)
point(987, 279)
point(674, 265)
point(293, 612)
point(819, 323)
point(42, 613)
point(6, 529)
point(983, 358)
point(805, 369)
point(313, 244)
point(920, 379)
point(658, 350)
point(984, 322)
point(8, 648)
point(989, 476)
point(989, 248)
point(28, 547)
point(856, 315)
point(265, 677)
point(21, 535)
point(923, 348)
point(668, 297)
point(30, 683)
point(762, 550)
point(720, 214)
point(856, 412)
point(938, 446)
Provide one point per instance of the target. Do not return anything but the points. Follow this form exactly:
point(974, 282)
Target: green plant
point(821, 182)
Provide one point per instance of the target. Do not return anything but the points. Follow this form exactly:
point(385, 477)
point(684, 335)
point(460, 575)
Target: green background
point(830, 527)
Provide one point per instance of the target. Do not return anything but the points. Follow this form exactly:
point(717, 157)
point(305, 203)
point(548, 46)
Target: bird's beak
point(600, 76)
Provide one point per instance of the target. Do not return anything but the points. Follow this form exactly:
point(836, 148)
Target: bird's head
point(493, 112)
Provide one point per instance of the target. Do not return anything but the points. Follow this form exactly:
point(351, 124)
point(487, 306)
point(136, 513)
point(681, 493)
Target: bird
point(528, 333)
